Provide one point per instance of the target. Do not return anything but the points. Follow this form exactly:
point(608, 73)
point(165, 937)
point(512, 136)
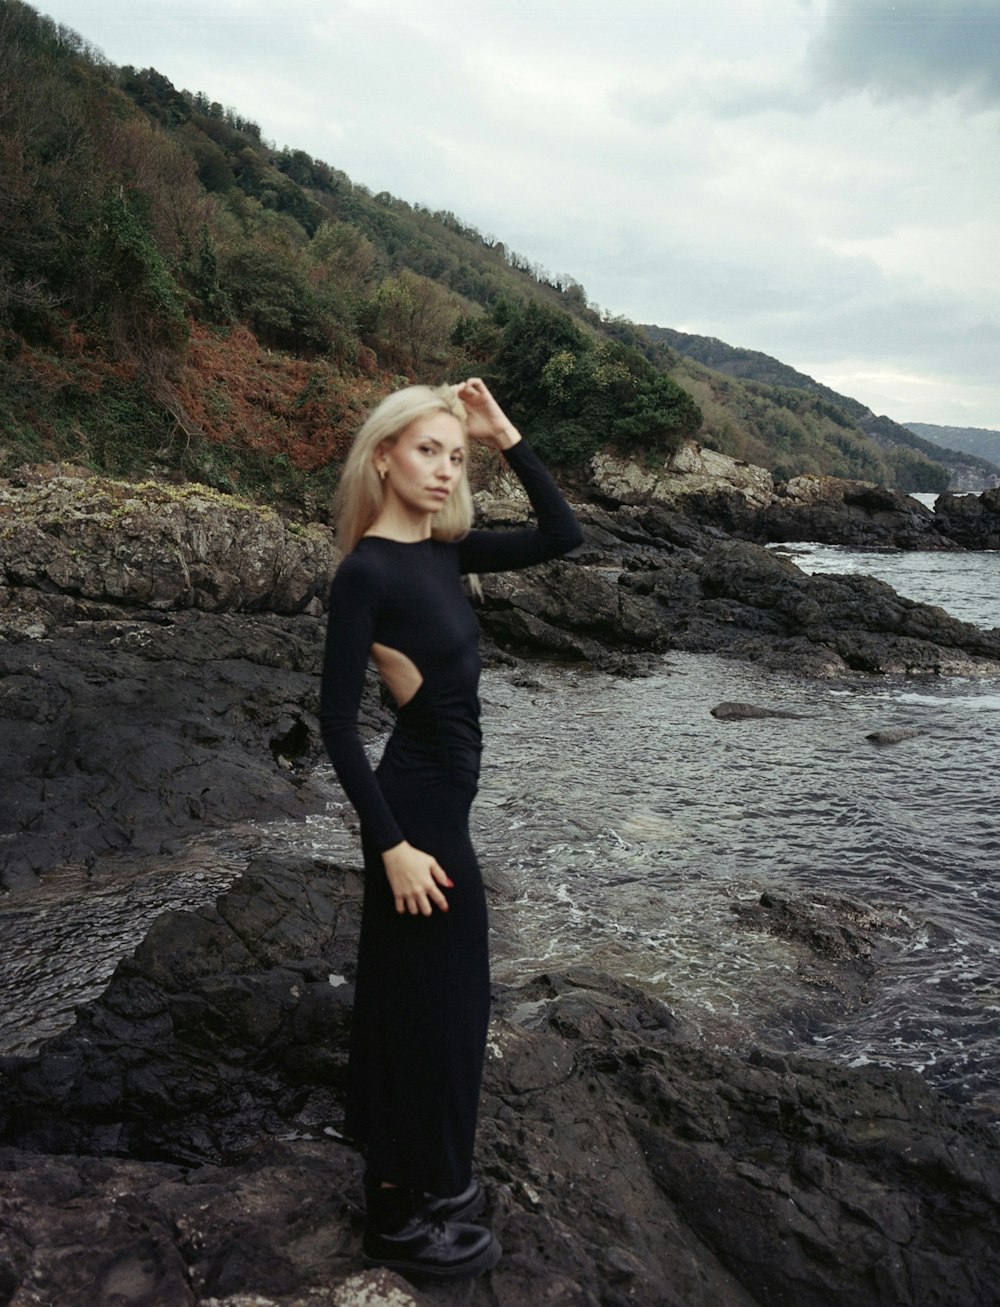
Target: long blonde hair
point(359, 495)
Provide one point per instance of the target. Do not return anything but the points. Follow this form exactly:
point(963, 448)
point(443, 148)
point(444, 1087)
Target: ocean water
point(620, 824)
point(967, 585)
point(643, 821)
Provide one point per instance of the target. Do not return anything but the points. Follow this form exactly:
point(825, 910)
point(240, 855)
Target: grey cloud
point(820, 307)
point(911, 48)
point(726, 100)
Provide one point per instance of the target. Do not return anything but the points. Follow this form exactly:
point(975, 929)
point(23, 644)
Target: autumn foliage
point(230, 388)
point(179, 297)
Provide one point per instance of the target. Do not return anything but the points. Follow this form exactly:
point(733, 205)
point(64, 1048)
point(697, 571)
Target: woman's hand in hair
point(486, 419)
point(415, 879)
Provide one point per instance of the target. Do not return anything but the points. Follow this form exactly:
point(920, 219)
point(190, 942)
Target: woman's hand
point(415, 879)
point(486, 419)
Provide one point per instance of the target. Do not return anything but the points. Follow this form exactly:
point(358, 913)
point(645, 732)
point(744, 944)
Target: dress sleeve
point(557, 531)
point(349, 635)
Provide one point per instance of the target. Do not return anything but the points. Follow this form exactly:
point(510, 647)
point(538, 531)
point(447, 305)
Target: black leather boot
point(459, 1207)
point(401, 1235)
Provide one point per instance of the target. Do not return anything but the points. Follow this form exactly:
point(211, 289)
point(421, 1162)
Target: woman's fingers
point(438, 899)
point(422, 903)
point(421, 899)
point(474, 392)
point(441, 876)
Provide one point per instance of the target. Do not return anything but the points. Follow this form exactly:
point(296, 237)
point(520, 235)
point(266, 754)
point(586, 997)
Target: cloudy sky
point(815, 179)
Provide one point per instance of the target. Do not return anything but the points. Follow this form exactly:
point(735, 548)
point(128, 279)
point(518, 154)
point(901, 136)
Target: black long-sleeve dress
point(422, 994)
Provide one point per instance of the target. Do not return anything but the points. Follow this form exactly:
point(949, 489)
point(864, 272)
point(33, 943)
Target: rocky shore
point(673, 559)
point(180, 1144)
point(745, 501)
point(159, 646)
point(159, 650)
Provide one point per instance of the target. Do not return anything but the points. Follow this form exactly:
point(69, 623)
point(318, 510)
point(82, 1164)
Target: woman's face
point(425, 464)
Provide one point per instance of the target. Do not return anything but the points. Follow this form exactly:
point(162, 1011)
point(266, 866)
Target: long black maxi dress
point(422, 999)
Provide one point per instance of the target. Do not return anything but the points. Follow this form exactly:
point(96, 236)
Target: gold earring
point(381, 474)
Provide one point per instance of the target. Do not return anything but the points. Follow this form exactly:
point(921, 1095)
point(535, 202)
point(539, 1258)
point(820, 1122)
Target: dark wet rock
point(857, 514)
point(159, 659)
point(862, 621)
point(126, 732)
point(653, 530)
point(179, 1144)
point(159, 651)
point(836, 947)
point(734, 598)
point(741, 712)
point(893, 734)
point(833, 926)
point(972, 521)
point(203, 1035)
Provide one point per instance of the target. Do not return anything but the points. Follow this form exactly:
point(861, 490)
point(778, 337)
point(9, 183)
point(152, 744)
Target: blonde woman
point(421, 1010)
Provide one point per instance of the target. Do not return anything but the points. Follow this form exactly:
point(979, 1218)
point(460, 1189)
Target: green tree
point(267, 283)
point(572, 393)
point(409, 323)
point(531, 335)
point(343, 260)
point(132, 288)
point(657, 418)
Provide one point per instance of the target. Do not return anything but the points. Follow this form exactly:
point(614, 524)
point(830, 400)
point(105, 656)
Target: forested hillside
point(906, 449)
point(978, 441)
point(180, 297)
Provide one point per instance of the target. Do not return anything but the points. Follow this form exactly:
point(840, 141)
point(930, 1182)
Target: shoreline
point(180, 1138)
point(683, 858)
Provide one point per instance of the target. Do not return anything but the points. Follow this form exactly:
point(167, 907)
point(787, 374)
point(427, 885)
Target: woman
point(422, 993)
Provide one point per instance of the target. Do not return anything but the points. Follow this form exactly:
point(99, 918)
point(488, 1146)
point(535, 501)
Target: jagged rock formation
point(688, 476)
point(156, 546)
point(739, 499)
point(972, 521)
point(713, 594)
